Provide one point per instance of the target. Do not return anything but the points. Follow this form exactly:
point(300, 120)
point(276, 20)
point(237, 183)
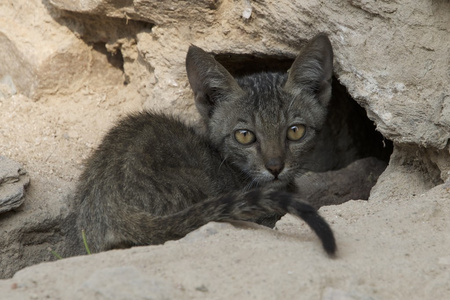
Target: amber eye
point(296, 132)
point(244, 137)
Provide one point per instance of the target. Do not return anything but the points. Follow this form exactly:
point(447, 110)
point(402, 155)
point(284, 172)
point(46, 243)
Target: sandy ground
point(394, 246)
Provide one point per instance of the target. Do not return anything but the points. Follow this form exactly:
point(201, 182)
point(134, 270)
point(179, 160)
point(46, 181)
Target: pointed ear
point(209, 80)
point(312, 70)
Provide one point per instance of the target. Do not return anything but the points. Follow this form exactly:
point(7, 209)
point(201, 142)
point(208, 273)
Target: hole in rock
point(115, 59)
point(352, 155)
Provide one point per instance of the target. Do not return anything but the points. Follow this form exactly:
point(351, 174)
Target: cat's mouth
point(264, 177)
point(275, 179)
point(278, 177)
point(269, 178)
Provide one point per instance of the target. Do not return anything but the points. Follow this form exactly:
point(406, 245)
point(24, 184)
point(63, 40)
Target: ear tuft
point(312, 69)
point(209, 80)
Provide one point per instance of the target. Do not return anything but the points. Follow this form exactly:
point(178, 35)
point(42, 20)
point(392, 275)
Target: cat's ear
point(209, 80)
point(312, 70)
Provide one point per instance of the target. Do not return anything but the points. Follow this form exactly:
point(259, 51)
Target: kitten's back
point(148, 162)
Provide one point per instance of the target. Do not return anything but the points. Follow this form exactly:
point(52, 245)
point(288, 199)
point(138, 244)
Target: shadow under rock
point(353, 182)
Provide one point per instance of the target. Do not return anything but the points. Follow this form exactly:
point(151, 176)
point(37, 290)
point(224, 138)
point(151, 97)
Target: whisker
point(252, 183)
point(223, 161)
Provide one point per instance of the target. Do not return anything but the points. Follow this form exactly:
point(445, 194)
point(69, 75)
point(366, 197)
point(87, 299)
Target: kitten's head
point(264, 123)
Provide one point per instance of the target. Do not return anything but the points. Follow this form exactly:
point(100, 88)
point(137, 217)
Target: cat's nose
point(275, 166)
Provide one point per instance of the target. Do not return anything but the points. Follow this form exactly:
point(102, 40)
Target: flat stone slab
point(13, 180)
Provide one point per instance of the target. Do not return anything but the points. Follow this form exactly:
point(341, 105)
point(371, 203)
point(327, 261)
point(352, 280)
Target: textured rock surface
point(13, 180)
point(39, 56)
point(29, 231)
point(69, 69)
point(336, 187)
point(381, 257)
point(394, 57)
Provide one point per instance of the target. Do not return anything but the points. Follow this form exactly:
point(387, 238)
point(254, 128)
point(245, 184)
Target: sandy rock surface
point(13, 181)
point(388, 54)
point(70, 69)
point(394, 250)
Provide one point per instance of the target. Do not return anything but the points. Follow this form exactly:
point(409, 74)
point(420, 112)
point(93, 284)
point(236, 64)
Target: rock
point(29, 233)
point(410, 74)
point(335, 187)
point(393, 58)
point(411, 172)
point(151, 11)
point(38, 56)
point(408, 80)
point(376, 244)
point(13, 180)
point(125, 282)
point(7, 87)
point(337, 294)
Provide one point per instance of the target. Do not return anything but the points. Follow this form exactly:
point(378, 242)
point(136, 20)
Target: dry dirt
point(394, 246)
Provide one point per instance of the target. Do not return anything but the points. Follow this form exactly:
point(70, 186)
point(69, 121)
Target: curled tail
point(258, 201)
point(310, 215)
point(136, 227)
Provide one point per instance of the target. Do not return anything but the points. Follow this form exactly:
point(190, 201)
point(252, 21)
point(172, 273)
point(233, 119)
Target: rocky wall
point(393, 56)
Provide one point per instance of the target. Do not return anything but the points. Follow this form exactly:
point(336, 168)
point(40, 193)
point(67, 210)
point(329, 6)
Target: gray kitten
point(154, 179)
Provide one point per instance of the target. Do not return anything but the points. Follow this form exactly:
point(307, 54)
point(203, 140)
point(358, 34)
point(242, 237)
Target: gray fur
point(154, 179)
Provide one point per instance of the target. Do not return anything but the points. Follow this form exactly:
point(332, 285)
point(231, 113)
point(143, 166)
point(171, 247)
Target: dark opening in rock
point(115, 59)
point(363, 152)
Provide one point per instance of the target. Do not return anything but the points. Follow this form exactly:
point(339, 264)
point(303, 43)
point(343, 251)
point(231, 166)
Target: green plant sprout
point(85, 242)
point(83, 235)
